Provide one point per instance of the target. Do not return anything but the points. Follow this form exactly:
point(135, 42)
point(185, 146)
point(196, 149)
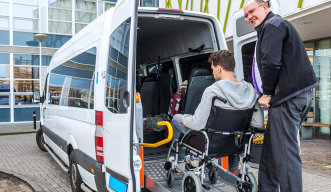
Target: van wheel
point(40, 140)
point(75, 178)
point(191, 183)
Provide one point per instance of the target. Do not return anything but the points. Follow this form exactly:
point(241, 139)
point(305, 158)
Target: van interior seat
point(199, 80)
point(149, 95)
point(166, 89)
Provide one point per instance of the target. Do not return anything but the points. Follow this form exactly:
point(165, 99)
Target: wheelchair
point(228, 132)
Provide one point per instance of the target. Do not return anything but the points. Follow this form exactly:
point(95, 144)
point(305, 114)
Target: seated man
point(239, 95)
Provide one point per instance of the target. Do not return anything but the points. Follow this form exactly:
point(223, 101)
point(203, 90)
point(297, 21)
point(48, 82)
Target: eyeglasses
point(250, 12)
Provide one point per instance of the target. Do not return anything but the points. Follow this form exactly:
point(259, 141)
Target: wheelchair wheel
point(249, 185)
point(170, 178)
point(213, 175)
point(191, 183)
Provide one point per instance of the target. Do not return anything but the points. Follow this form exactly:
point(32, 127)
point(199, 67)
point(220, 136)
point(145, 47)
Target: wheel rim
point(212, 175)
point(189, 184)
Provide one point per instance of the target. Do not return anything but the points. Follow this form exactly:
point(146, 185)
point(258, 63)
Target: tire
point(75, 178)
point(170, 178)
point(191, 183)
point(40, 140)
point(213, 175)
point(249, 185)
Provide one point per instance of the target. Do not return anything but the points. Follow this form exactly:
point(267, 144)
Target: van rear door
point(118, 111)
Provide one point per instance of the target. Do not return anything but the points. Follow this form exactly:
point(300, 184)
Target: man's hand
point(264, 101)
point(181, 123)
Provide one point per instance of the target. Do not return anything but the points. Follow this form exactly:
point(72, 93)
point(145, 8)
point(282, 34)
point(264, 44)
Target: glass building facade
point(21, 68)
point(319, 52)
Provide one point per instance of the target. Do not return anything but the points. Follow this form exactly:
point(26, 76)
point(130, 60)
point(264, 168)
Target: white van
point(102, 84)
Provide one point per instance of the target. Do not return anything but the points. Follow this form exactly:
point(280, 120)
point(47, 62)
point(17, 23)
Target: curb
point(18, 132)
point(18, 177)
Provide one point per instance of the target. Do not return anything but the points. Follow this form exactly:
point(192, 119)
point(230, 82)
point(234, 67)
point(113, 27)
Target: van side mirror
point(36, 97)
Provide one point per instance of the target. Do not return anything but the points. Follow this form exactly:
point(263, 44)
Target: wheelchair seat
point(221, 120)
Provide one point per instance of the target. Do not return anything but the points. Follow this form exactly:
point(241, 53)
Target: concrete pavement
point(20, 154)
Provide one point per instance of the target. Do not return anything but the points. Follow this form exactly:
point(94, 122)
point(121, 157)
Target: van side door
point(118, 108)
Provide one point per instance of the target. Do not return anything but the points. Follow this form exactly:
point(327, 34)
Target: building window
point(26, 15)
point(117, 69)
point(149, 3)
point(24, 39)
point(60, 16)
point(85, 13)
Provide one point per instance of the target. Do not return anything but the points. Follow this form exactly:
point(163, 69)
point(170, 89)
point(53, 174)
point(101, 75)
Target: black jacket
point(282, 60)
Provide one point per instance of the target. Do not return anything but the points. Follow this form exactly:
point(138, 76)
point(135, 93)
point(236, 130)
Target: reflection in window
point(109, 5)
point(26, 72)
point(59, 27)
point(59, 14)
point(26, 24)
point(4, 100)
point(26, 86)
point(4, 40)
point(60, 3)
point(4, 58)
point(116, 80)
point(4, 86)
point(85, 17)
point(25, 59)
point(23, 99)
point(4, 71)
point(55, 87)
point(4, 9)
point(55, 41)
point(4, 23)
point(24, 39)
point(86, 5)
point(32, 2)
point(71, 84)
point(26, 11)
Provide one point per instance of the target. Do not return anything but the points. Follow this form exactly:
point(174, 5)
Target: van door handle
point(126, 100)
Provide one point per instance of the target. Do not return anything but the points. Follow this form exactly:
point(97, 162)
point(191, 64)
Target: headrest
point(199, 72)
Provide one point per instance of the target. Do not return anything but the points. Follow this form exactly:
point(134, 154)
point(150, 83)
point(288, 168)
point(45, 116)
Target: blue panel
point(4, 58)
point(24, 39)
point(55, 41)
point(25, 114)
point(117, 185)
point(4, 40)
point(4, 114)
point(46, 60)
point(25, 59)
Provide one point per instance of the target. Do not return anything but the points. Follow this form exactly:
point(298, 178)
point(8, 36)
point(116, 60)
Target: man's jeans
point(178, 129)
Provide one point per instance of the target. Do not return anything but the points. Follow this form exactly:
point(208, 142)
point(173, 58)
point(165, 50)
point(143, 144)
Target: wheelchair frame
point(242, 182)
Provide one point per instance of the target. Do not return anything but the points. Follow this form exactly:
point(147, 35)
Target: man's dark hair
point(223, 58)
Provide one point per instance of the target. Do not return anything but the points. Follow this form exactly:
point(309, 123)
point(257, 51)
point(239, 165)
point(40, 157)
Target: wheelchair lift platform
point(156, 179)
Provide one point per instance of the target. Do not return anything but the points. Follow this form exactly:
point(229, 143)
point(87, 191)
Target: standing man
point(284, 78)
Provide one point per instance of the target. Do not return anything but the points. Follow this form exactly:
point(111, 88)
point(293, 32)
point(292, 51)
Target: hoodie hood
point(234, 92)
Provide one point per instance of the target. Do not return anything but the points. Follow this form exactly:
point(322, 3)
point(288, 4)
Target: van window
point(117, 68)
point(71, 84)
point(247, 51)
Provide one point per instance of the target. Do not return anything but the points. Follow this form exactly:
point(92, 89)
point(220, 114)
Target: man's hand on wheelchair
point(264, 101)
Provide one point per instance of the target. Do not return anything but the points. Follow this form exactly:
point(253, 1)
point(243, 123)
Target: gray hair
point(259, 2)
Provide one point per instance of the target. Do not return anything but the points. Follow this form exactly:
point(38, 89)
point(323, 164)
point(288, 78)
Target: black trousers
point(280, 165)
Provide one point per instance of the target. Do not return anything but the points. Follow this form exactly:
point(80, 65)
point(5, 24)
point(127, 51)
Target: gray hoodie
point(239, 96)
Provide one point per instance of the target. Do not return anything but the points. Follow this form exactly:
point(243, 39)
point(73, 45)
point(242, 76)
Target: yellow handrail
point(258, 140)
point(162, 142)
